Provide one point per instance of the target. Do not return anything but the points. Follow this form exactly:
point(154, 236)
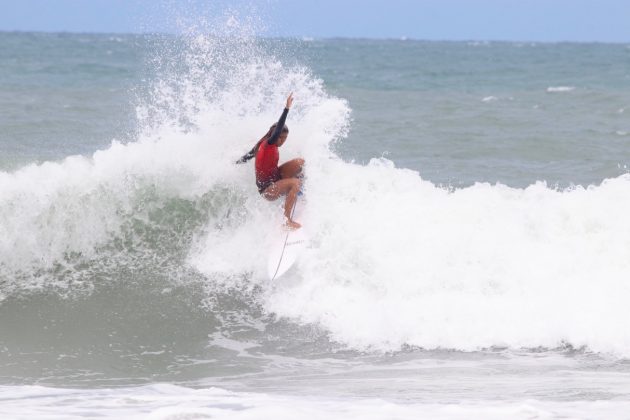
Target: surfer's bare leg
point(291, 169)
point(290, 187)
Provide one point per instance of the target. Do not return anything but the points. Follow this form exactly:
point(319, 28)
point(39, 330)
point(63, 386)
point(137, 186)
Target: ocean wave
point(395, 260)
point(469, 269)
point(560, 89)
point(60, 219)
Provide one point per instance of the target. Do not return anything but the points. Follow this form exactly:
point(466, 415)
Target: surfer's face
point(282, 139)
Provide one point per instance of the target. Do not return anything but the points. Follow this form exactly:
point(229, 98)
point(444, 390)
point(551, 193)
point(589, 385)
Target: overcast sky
point(518, 20)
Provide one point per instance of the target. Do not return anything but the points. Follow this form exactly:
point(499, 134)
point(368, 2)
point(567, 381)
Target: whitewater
point(137, 272)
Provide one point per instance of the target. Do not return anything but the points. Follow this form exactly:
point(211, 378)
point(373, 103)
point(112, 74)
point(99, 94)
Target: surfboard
point(286, 250)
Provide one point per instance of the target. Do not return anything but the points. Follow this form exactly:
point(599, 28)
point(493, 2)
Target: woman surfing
point(273, 180)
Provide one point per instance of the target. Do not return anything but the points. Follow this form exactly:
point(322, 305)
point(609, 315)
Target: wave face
point(163, 239)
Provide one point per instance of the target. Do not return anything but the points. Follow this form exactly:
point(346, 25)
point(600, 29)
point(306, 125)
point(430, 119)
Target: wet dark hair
point(285, 129)
point(249, 155)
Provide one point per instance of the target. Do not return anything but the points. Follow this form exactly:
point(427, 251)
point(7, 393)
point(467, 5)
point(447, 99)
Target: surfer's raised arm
point(272, 135)
point(273, 139)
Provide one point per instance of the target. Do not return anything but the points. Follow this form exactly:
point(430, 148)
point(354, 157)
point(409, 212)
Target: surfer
point(273, 180)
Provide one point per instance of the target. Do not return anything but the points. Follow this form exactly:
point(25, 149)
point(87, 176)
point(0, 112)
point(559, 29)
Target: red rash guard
point(267, 156)
point(267, 170)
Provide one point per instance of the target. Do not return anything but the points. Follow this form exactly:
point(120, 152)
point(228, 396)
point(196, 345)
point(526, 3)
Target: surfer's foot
point(290, 224)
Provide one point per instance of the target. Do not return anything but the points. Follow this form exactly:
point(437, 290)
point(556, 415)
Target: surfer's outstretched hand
point(289, 100)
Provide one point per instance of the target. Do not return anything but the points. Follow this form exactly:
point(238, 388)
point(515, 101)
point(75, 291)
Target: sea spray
point(211, 99)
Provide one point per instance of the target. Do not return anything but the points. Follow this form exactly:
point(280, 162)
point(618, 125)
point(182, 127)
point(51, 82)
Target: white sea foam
point(399, 261)
point(478, 43)
point(478, 267)
point(560, 89)
point(162, 401)
point(396, 260)
point(490, 99)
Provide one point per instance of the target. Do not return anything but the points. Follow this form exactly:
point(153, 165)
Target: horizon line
point(307, 38)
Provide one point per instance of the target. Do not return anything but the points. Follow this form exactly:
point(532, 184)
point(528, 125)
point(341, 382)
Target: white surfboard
point(286, 250)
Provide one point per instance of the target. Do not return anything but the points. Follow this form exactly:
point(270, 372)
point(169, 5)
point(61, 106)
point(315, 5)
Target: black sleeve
point(276, 133)
point(249, 155)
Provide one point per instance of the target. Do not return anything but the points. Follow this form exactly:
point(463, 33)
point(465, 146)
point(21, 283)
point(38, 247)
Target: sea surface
point(467, 204)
